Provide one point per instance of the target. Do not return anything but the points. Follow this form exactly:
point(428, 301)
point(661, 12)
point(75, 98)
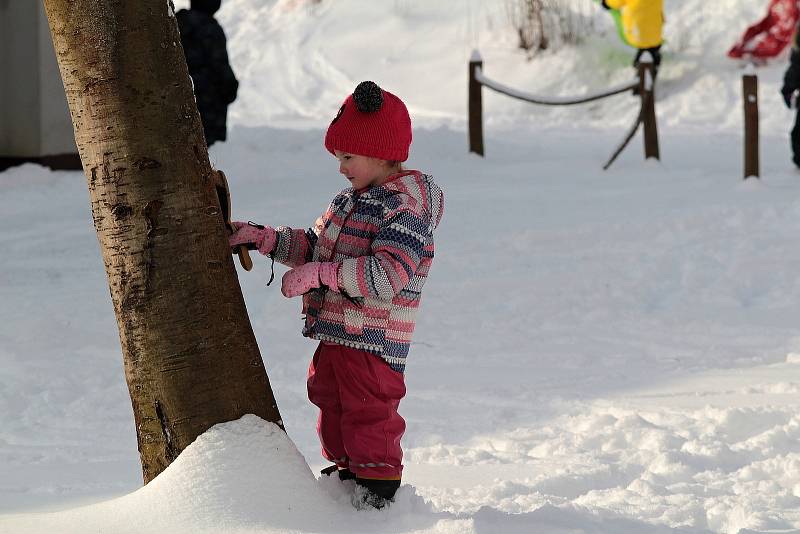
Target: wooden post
point(475, 105)
point(647, 92)
point(750, 96)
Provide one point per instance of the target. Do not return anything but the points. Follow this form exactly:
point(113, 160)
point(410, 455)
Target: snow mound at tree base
point(241, 476)
point(247, 476)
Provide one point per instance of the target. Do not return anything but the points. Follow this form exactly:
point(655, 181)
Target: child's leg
point(370, 392)
point(655, 53)
point(796, 140)
point(324, 392)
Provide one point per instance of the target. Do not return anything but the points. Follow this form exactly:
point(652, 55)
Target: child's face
point(362, 171)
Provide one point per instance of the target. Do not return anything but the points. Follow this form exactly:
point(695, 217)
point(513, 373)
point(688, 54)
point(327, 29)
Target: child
point(360, 272)
point(642, 21)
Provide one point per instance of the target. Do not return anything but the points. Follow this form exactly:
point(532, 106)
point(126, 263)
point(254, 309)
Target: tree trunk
point(191, 359)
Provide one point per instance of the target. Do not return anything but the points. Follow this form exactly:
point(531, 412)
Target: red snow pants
point(358, 394)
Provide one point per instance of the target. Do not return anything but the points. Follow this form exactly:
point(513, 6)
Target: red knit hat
point(371, 122)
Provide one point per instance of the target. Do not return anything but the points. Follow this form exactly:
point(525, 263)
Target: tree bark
point(191, 359)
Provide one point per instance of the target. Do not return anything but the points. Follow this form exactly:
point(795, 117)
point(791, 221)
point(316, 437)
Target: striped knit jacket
point(383, 238)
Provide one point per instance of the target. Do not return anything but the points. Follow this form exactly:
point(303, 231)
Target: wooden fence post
point(647, 92)
point(475, 105)
point(751, 148)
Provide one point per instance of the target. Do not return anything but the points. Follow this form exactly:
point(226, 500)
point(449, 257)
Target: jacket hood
point(420, 190)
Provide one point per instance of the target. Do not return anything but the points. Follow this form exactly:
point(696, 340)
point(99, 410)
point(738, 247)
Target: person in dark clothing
point(791, 83)
point(205, 48)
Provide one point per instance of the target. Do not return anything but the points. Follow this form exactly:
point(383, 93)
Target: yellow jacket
point(642, 21)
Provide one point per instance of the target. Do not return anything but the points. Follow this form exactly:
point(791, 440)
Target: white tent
point(34, 119)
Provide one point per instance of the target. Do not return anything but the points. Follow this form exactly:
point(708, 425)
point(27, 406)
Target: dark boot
point(344, 473)
point(375, 493)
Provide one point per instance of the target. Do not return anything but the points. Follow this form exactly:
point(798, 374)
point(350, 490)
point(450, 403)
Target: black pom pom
point(368, 97)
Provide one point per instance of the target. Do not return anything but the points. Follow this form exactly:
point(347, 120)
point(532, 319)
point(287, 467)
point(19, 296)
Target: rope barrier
point(627, 139)
point(527, 97)
point(645, 83)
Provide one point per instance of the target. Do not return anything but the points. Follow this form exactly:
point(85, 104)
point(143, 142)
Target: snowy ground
point(613, 352)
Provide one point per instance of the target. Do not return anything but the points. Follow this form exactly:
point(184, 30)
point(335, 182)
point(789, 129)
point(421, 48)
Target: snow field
point(631, 355)
point(606, 352)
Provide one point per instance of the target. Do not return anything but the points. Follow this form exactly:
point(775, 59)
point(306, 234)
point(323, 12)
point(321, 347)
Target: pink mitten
point(310, 276)
point(329, 274)
point(261, 238)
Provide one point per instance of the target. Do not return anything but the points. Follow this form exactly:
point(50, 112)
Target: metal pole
point(475, 105)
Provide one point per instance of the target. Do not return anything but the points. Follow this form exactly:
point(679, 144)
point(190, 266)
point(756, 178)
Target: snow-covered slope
point(297, 58)
point(611, 352)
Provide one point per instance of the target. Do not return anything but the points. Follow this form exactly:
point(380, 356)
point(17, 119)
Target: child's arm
point(287, 246)
point(294, 247)
point(397, 250)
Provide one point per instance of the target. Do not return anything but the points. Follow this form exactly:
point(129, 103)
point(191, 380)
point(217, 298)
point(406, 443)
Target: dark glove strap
point(272, 268)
